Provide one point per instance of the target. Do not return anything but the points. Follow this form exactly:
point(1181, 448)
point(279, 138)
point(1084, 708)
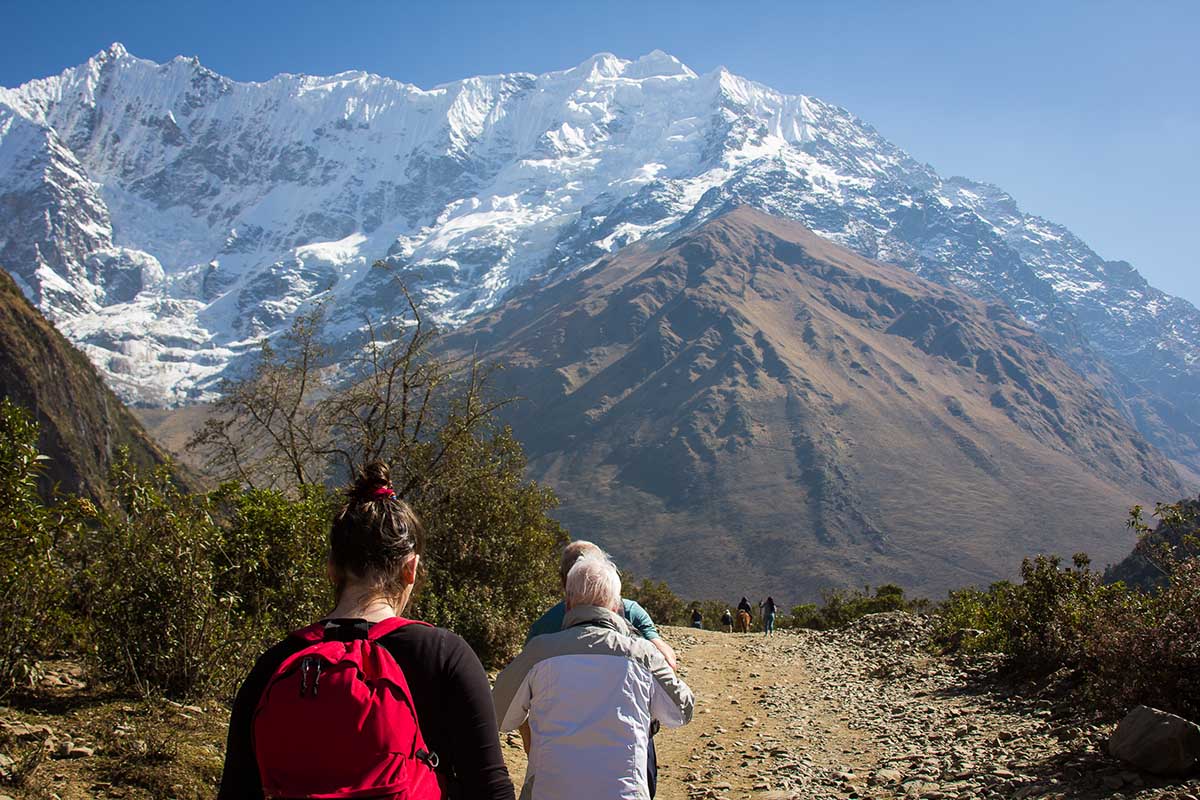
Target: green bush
point(840, 607)
point(274, 552)
point(1146, 648)
point(32, 584)
point(1125, 646)
point(491, 553)
point(1042, 623)
point(663, 605)
point(151, 566)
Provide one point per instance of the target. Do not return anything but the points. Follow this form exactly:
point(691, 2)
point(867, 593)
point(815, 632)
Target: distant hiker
point(697, 618)
point(727, 621)
point(590, 693)
point(364, 702)
point(640, 622)
point(745, 615)
point(768, 610)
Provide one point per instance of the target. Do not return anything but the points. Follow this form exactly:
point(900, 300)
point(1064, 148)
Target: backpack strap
point(311, 633)
point(390, 625)
point(316, 632)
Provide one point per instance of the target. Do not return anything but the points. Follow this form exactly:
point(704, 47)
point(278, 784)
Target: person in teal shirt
point(635, 615)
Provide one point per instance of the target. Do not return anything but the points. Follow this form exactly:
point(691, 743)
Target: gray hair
point(593, 581)
point(575, 551)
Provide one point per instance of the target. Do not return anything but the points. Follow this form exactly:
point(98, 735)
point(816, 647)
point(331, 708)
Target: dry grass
point(142, 749)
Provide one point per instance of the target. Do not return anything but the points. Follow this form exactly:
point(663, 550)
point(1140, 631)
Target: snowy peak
point(168, 217)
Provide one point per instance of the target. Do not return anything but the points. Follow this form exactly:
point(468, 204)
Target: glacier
point(169, 219)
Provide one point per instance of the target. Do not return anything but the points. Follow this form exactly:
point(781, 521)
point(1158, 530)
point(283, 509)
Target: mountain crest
point(257, 199)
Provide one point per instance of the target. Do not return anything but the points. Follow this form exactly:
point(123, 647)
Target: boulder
point(1157, 742)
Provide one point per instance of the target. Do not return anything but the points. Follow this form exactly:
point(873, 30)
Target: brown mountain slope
point(754, 409)
point(83, 424)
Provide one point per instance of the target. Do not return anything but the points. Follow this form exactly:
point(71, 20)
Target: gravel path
point(867, 713)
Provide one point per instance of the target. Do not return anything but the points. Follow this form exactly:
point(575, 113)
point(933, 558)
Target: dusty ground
point(867, 713)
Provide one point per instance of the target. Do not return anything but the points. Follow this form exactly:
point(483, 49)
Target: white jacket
point(589, 693)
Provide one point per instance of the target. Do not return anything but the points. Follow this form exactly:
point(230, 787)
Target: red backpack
point(337, 721)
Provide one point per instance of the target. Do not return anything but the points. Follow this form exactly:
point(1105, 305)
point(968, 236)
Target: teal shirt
point(635, 615)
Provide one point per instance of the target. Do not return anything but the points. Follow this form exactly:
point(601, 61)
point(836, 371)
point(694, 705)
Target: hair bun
point(371, 478)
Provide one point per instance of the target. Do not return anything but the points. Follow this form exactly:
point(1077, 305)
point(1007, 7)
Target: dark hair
point(374, 533)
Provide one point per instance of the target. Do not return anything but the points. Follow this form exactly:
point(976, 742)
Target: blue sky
point(1087, 112)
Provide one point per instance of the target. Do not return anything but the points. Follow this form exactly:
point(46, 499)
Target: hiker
point(364, 702)
point(697, 618)
point(727, 621)
point(590, 693)
point(744, 605)
point(768, 616)
point(640, 622)
point(634, 614)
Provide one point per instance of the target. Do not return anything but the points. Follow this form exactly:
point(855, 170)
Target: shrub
point(841, 607)
point(32, 586)
point(273, 553)
point(151, 568)
point(805, 615)
point(1146, 649)
point(1125, 646)
point(663, 605)
point(491, 553)
point(1041, 623)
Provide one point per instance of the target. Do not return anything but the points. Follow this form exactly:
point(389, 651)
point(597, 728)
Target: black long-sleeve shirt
point(453, 702)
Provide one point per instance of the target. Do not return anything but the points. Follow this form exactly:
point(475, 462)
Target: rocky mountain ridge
point(167, 217)
point(754, 396)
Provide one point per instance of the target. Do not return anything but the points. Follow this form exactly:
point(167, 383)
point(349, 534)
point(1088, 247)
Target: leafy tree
point(298, 421)
point(275, 549)
point(152, 565)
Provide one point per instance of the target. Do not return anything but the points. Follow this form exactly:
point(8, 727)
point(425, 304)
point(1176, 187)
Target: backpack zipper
point(305, 666)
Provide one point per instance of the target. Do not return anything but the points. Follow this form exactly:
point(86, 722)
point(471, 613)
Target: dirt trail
point(866, 713)
point(754, 715)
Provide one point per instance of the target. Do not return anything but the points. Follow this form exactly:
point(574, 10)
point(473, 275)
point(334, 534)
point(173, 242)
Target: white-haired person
point(590, 693)
point(637, 617)
point(640, 623)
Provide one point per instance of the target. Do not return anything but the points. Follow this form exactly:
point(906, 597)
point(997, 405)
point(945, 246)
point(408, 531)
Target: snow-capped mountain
point(167, 217)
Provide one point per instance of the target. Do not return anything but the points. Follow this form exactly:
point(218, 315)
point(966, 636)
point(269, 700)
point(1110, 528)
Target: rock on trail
point(866, 712)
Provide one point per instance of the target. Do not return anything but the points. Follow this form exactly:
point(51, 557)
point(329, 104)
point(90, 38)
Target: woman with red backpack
point(365, 703)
